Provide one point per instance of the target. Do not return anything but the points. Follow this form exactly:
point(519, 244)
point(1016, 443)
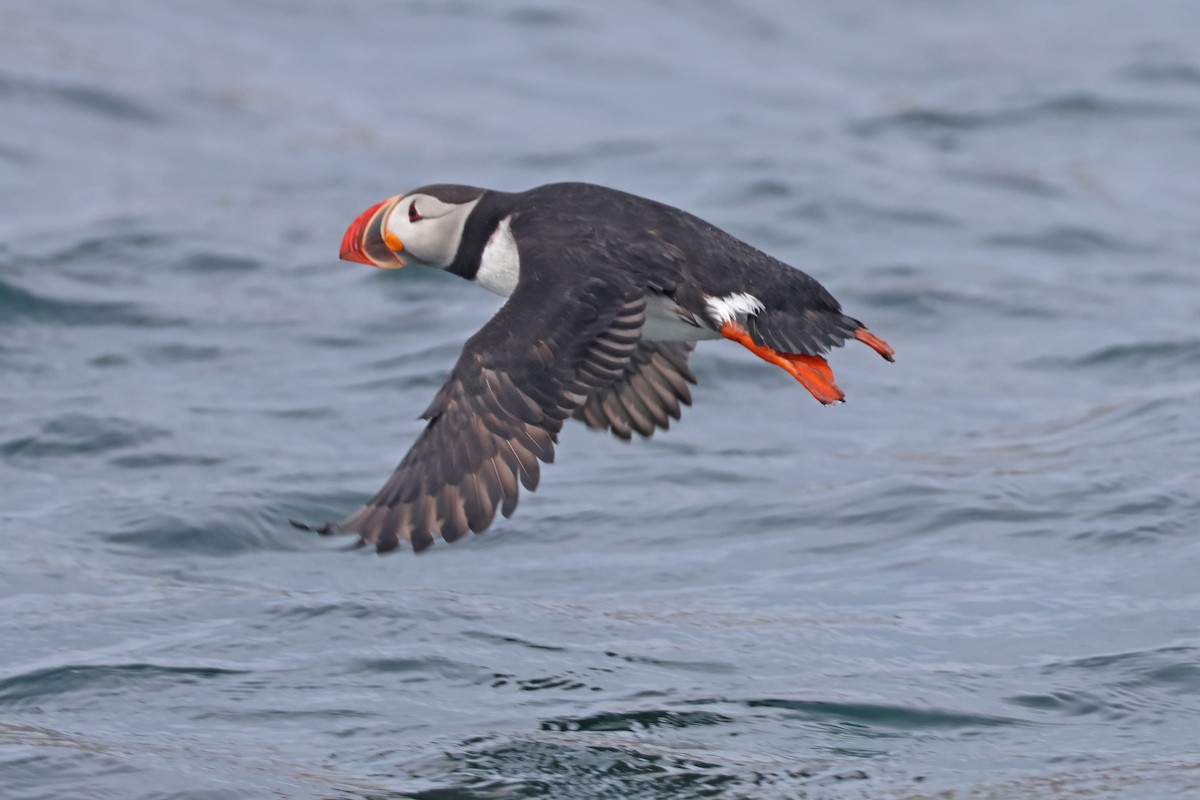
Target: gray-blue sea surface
point(980, 577)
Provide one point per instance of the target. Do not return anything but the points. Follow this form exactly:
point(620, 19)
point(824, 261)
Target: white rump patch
point(500, 264)
point(733, 306)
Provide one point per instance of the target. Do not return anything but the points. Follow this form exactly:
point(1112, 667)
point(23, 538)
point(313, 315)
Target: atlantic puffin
point(607, 294)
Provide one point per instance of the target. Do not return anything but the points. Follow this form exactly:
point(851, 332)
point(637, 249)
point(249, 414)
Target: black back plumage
point(669, 251)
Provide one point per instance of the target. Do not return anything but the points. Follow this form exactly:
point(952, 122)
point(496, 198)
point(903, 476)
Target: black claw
point(329, 529)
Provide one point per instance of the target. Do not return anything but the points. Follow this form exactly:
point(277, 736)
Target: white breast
point(500, 264)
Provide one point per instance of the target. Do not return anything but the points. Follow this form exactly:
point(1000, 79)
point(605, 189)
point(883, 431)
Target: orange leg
point(875, 343)
point(813, 372)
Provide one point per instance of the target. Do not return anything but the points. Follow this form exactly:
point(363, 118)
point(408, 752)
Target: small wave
point(439, 353)
point(1069, 241)
point(1136, 425)
point(1145, 684)
point(596, 152)
point(102, 102)
point(542, 17)
point(1157, 778)
point(31, 735)
point(16, 155)
point(162, 460)
point(1165, 72)
point(707, 667)
point(305, 413)
point(568, 682)
point(19, 305)
point(935, 302)
point(859, 210)
point(33, 686)
point(868, 716)
point(416, 670)
point(179, 352)
point(1018, 182)
point(1156, 357)
point(105, 103)
point(80, 434)
point(235, 531)
point(112, 242)
point(924, 120)
point(604, 764)
point(219, 262)
point(637, 721)
point(499, 638)
point(341, 608)
point(638, 753)
point(766, 189)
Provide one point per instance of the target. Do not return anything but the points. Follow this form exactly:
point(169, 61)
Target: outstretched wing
point(648, 395)
point(500, 411)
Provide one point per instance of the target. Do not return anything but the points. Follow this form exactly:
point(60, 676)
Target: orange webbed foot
point(813, 372)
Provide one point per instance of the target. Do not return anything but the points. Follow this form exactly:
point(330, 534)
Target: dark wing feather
point(499, 413)
point(648, 394)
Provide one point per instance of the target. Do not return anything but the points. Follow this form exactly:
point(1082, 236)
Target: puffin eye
point(413, 214)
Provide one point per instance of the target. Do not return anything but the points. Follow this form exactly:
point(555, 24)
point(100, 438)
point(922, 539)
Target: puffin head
point(424, 226)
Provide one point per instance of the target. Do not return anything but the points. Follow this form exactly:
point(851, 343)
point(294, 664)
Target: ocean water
point(978, 578)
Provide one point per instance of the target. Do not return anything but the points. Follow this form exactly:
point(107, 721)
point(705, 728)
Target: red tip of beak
point(363, 241)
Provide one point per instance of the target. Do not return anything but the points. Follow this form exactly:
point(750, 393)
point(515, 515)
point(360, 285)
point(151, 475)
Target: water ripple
point(118, 245)
point(1076, 105)
point(1180, 72)
point(1146, 357)
point(154, 461)
point(99, 680)
point(80, 434)
point(18, 305)
point(104, 102)
point(636, 721)
point(861, 718)
point(613, 767)
point(235, 531)
point(1018, 182)
point(1119, 686)
point(941, 303)
point(215, 262)
point(1069, 241)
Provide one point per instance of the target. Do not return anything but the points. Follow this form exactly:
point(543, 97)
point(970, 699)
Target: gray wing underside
point(648, 395)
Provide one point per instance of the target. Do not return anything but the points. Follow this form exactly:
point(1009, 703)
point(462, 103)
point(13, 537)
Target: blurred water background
point(978, 578)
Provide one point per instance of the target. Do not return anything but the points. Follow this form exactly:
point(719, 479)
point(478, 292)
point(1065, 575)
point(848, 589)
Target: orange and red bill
point(367, 242)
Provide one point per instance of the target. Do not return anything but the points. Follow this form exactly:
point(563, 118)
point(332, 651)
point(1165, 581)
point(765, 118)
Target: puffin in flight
point(607, 294)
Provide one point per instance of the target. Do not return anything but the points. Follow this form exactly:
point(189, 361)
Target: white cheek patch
point(433, 240)
point(500, 265)
point(733, 306)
